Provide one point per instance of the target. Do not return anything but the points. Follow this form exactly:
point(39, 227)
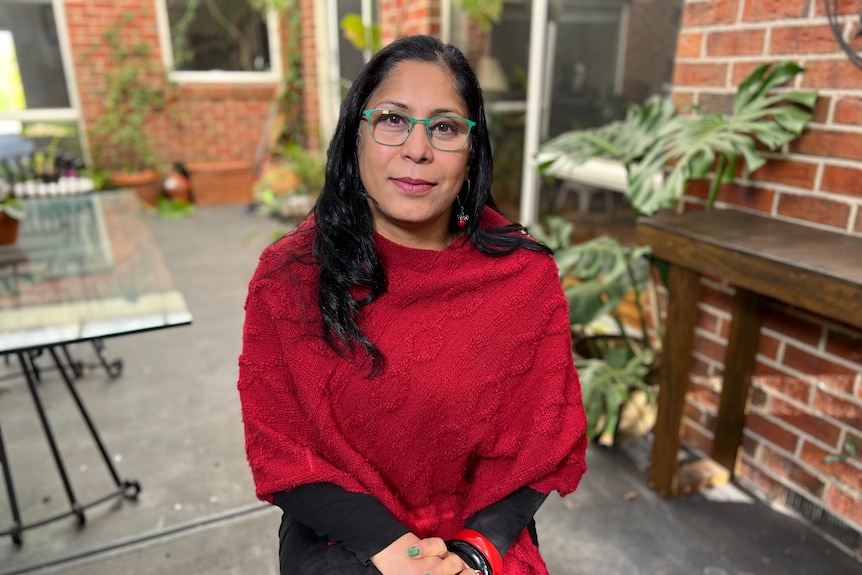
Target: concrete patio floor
point(172, 421)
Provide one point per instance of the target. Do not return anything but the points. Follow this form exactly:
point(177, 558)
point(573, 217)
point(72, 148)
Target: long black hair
point(351, 275)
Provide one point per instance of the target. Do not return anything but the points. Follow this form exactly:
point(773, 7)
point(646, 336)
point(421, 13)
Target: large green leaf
point(663, 152)
point(606, 387)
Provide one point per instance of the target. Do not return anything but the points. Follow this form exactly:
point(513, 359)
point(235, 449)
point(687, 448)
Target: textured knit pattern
point(479, 395)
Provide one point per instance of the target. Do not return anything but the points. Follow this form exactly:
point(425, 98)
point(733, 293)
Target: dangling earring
point(462, 217)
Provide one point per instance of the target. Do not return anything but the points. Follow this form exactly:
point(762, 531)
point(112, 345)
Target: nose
point(417, 146)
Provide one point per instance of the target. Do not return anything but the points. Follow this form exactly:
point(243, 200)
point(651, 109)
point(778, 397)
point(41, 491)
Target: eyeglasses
point(392, 128)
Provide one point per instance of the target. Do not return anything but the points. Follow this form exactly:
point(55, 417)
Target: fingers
point(431, 547)
point(449, 564)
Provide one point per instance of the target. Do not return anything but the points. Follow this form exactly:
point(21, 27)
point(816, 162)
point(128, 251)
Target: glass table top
point(84, 267)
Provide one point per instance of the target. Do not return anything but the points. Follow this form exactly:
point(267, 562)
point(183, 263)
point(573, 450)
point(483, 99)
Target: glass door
point(586, 64)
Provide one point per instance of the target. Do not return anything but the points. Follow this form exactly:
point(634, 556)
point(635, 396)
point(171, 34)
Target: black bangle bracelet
point(469, 555)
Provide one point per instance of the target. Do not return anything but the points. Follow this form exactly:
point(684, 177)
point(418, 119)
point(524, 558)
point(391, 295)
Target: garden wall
point(806, 402)
point(207, 122)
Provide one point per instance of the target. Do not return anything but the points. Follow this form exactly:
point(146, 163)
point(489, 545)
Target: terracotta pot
point(8, 229)
point(228, 182)
point(147, 184)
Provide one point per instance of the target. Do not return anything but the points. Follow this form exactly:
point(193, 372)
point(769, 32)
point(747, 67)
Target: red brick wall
point(807, 391)
point(649, 46)
point(208, 122)
point(401, 18)
point(310, 89)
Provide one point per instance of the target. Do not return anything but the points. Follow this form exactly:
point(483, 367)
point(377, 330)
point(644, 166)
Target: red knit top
point(477, 398)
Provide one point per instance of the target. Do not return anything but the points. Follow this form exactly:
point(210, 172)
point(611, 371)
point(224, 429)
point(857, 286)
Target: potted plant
point(662, 152)
point(11, 214)
point(136, 90)
point(615, 358)
point(290, 183)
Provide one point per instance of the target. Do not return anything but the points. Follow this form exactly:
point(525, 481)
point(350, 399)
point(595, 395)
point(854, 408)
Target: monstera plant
point(597, 276)
point(662, 152)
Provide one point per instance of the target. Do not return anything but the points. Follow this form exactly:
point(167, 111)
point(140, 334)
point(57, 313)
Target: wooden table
point(762, 258)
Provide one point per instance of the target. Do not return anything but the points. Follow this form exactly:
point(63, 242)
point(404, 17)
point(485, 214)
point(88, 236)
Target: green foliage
point(606, 384)
point(361, 36)
point(178, 34)
point(307, 168)
point(9, 204)
point(171, 209)
point(135, 90)
point(603, 271)
point(663, 151)
point(597, 275)
point(849, 451)
point(12, 207)
point(101, 178)
point(487, 12)
point(289, 99)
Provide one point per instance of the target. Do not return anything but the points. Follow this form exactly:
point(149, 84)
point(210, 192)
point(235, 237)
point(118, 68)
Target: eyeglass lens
point(391, 128)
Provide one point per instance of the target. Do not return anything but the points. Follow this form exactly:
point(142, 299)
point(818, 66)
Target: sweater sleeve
point(502, 522)
point(283, 444)
point(355, 521)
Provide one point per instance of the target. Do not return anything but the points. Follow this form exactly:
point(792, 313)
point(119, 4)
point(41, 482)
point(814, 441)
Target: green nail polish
point(413, 551)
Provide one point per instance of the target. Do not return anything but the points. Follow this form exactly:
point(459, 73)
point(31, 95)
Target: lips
point(412, 185)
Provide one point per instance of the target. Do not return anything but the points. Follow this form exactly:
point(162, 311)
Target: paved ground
point(172, 421)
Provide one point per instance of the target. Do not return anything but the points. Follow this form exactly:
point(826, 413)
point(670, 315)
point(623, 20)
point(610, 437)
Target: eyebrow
point(401, 105)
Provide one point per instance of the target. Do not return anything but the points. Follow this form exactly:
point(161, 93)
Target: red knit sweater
point(479, 395)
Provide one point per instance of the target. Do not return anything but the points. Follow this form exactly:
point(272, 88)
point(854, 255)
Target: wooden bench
point(762, 258)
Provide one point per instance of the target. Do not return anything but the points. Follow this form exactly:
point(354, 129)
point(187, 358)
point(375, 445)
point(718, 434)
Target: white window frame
point(273, 75)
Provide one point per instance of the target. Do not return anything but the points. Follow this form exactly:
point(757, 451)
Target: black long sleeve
point(504, 520)
point(354, 521)
point(362, 525)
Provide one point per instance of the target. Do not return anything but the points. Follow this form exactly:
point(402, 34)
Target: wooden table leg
point(738, 367)
point(676, 362)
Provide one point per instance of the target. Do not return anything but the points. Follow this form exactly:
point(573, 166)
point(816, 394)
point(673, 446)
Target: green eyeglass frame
point(413, 121)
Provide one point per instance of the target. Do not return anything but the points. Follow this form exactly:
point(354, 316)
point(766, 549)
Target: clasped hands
point(409, 555)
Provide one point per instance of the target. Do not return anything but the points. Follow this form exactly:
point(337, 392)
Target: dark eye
point(391, 118)
point(445, 127)
point(448, 128)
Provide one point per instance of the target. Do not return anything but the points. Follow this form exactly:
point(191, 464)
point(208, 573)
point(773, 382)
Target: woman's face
point(411, 187)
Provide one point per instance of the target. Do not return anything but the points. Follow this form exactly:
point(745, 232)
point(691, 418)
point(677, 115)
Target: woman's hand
point(409, 555)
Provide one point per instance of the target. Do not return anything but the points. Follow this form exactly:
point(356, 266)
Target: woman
point(407, 385)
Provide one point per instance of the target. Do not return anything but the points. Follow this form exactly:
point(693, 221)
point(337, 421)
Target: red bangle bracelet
point(487, 548)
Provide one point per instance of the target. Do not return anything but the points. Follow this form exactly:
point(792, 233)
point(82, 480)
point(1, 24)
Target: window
point(32, 66)
point(213, 40)
point(37, 108)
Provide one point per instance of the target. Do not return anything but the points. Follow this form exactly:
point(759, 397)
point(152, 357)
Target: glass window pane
point(225, 35)
point(584, 91)
point(350, 57)
point(29, 43)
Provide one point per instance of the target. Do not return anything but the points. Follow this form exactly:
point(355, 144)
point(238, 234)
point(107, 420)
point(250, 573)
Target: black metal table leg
point(27, 368)
point(113, 368)
point(123, 487)
point(86, 415)
point(77, 367)
point(17, 527)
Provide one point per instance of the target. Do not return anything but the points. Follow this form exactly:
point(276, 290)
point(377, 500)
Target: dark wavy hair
point(343, 244)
